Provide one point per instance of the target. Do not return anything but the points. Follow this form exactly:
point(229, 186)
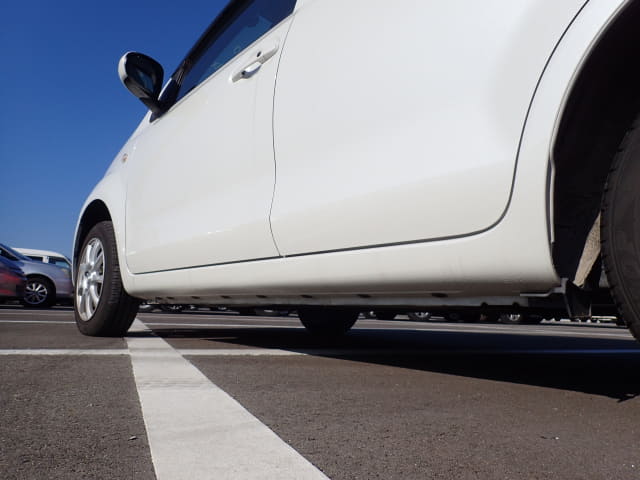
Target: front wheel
point(327, 322)
point(39, 293)
point(102, 307)
point(419, 316)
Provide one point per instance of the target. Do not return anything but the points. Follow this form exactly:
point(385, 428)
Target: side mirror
point(142, 76)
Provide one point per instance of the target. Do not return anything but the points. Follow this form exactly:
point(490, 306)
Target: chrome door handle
point(260, 57)
point(250, 70)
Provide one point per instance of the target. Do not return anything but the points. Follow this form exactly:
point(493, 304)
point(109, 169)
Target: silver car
point(47, 284)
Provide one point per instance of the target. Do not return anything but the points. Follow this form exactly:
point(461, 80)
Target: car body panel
point(409, 129)
point(61, 277)
point(206, 169)
point(12, 280)
point(46, 256)
point(500, 264)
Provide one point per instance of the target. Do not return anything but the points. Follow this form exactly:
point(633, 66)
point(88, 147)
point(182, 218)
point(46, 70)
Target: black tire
point(385, 315)
point(620, 230)
point(171, 308)
point(327, 322)
point(520, 319)
point(419, 316)
point(39, 293)
point(464, 317)
point(145, 307)
point(98, 277)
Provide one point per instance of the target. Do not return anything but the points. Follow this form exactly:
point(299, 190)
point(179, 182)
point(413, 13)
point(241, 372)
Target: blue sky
point(65, 113)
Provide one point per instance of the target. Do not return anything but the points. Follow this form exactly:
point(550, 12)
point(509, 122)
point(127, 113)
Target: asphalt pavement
point(211, 395)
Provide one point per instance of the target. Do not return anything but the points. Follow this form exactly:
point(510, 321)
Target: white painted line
point(196, 430)
point(40, 313)
point(230, 325)
point(266, 352)
point(45, 322)
point(509, 329)
point(63, 351)
point(273, 352)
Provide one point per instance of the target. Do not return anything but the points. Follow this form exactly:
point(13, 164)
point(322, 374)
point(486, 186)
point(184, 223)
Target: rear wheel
point(102, 307)
point(39, 293)
point(385, 315)
point(620, 230)
point(419, 316)
point(520, 319)
point(327, 322)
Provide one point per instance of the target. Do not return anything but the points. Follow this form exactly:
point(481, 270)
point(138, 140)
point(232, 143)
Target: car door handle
point(250, 70)
point(259, 59)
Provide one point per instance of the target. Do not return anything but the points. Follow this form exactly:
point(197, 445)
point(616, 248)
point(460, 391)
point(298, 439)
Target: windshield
point(12, 254)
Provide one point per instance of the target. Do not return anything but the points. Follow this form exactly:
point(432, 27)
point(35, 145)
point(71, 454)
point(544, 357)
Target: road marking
point(328, 352)
point(48, 322)
point(63, 351)
point(363, 352)
point(450, 328)
point(225, 325)
point(196, 430)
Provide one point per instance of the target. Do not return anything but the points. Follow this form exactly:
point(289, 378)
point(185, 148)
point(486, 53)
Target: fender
point(553, 90)
point(111, 192)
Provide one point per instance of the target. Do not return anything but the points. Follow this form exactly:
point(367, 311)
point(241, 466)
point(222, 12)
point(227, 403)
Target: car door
point(400, 122)
point(201, 176)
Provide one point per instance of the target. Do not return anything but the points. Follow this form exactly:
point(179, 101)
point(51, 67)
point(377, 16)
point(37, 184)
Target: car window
point(36, 257)
point(11, 254)
point(236, 28)
point(59, 261)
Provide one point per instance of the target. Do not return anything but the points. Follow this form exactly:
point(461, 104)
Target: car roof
point(33, 251)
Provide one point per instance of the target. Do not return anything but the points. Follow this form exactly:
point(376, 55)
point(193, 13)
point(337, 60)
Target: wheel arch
point(42, 275)
point(95, 212)
point(600, 104)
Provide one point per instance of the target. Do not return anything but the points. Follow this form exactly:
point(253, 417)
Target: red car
point(12, 281)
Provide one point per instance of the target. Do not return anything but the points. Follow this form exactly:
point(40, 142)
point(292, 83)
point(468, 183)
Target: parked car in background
point(13, 281)
point(334, 157)
point(47, 284)
point(46, 256)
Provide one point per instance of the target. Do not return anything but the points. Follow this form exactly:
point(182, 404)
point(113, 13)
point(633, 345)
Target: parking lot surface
point(209, 395)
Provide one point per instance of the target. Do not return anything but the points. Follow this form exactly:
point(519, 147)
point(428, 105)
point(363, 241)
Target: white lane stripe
point(237, 352)
point(511, 330)
point(363, 352)
point(63, 351)
point(196, 430)
point(40, 313)
point(48, 322)
point(229, 325)
point(272, 352)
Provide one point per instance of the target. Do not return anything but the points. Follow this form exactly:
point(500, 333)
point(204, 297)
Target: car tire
point(419, 316)
point(102, 306)
point(461, 316)
point(171, 308)
point(384, 315)
point(620, 230)
point(39, 293)
point(520, 319)
point(145, 307)
point(327, 322)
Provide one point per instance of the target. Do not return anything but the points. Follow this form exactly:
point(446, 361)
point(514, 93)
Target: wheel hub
point(90, 279)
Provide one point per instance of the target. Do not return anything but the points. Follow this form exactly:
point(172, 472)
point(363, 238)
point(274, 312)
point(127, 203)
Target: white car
point(46, 256)
point(333, 157)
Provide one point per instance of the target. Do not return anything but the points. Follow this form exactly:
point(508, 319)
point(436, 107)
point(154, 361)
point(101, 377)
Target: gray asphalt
point(391, 400)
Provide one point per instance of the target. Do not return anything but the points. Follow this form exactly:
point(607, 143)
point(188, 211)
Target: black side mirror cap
point(143, 77)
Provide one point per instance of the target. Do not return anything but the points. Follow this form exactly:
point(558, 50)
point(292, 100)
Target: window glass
point(234, 31)
point(59, 261)
point(11, 254)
